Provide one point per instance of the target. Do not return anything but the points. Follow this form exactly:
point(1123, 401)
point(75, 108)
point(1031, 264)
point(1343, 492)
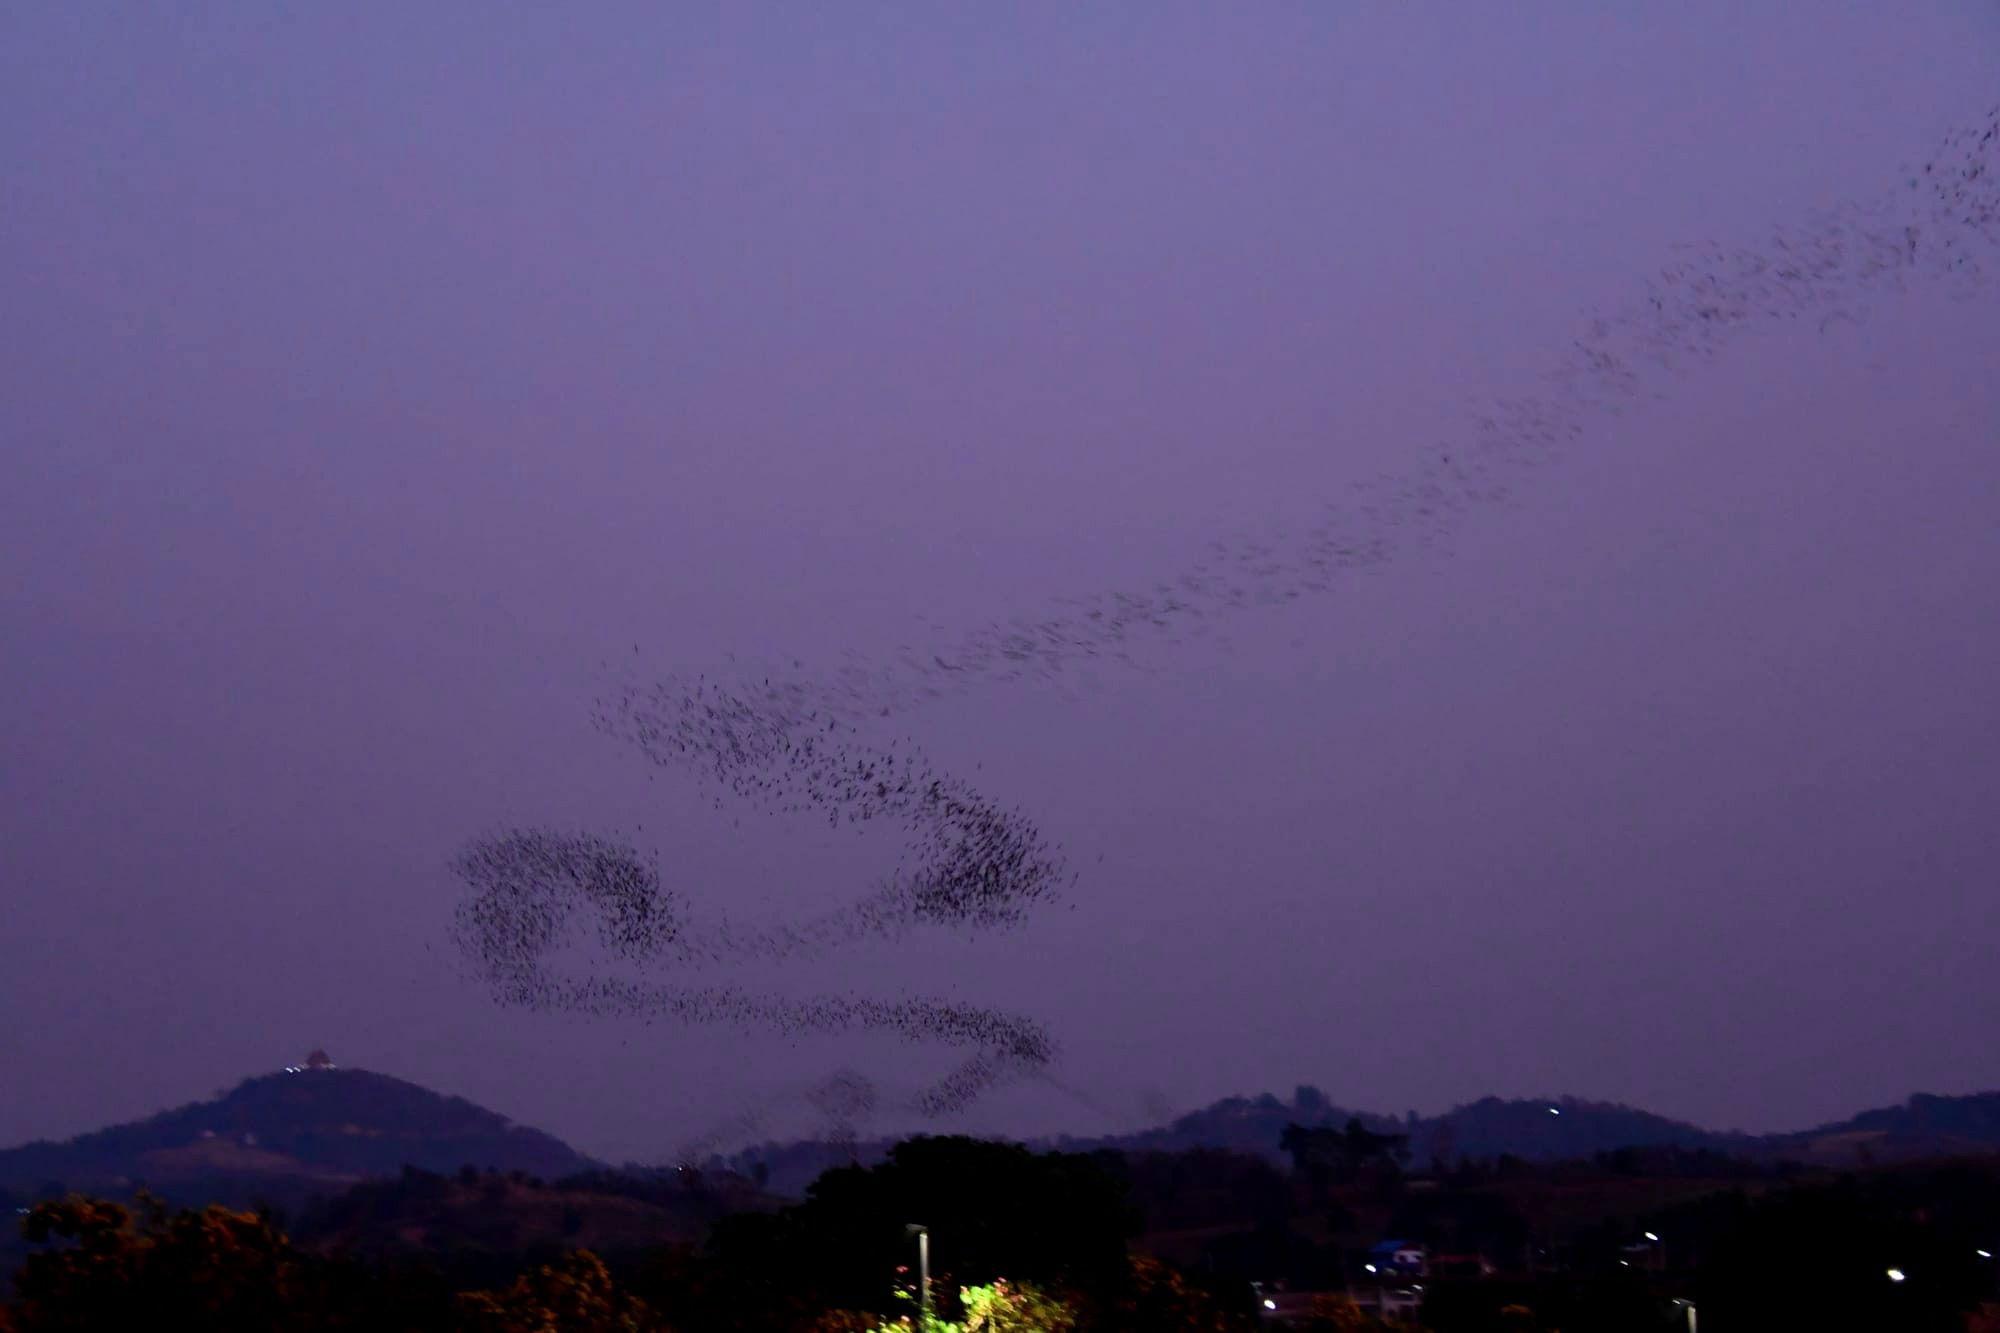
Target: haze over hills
point(1535, 1129)
point(289, 1135)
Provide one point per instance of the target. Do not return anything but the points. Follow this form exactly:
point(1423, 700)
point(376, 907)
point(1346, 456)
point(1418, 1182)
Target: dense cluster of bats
point(795, 741)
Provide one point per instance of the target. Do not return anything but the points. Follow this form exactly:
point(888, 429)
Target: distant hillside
point(1925, 1126)
point(788, 1168)
point(470, 1211)
point(1249, 1125)
point(1541, 1129)
point(1242, 1124)
point(326, 1127)
point(1551, 1129)
point(1534, 1129)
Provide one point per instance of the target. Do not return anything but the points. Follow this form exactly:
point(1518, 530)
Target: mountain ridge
point(1534, 1129)
point(320, 1128)
point(308, 1124)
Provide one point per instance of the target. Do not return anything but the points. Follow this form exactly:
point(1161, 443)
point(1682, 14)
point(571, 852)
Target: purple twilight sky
point(373, 374)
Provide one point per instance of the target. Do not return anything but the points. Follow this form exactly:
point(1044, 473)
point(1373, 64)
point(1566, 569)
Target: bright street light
point(1897, 1275)
point(923, 1235)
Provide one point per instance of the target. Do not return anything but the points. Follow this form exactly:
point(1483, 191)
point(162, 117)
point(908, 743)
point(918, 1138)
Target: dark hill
point(608, 1212)
point(1974, 1117)
point(1244, 1125)
point(1926, 1125)
point(1540, 1129)
point(1548, 1130)
point(1533, 1129)
point(329, 1125)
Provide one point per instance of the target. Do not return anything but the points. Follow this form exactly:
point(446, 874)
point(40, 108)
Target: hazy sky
point(372, 373)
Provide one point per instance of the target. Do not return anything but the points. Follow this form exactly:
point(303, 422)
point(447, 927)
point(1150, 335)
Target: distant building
point(1394, 1303)
point(319, 1060)
point(1289, 1307)
point(1390, 1301)
point(1460, 1266)
point(1399, 1256)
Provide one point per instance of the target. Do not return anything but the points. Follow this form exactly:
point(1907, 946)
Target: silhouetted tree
point(576, 1295)
point(104, 1268)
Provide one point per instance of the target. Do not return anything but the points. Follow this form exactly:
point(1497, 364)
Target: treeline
point(1021, 1240)
point(1096, 1242)
point(1623, 1240)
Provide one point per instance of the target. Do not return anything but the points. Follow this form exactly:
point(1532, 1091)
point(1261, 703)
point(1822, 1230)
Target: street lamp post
point(923, 1235)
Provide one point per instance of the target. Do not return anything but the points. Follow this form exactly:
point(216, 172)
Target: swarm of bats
point(798, 742)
